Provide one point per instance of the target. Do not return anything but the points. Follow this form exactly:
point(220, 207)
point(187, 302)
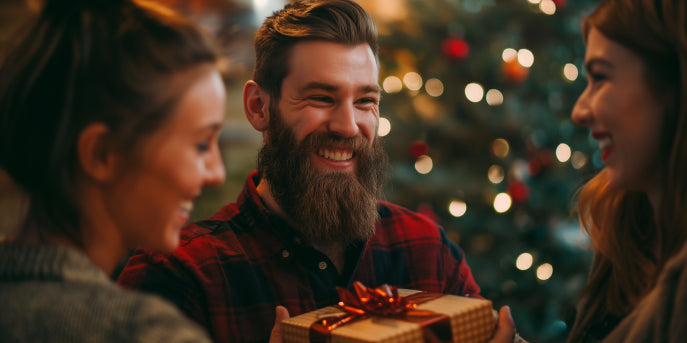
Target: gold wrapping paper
point(472, 321)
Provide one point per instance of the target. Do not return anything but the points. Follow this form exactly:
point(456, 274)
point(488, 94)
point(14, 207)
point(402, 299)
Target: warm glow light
point(544, 271)
point(525, 58)
point(392, 84)
point(524, 261)
point(434, 87)
point(474, 92)
point(494, 97)
point(570, 72)
point(457, 208)
point(495, 174)
point(534, 1)
point(502, 202)
point(578, 159)
point(424, 164)
point(509, 55)
point(563, 152)
point(413, 81)
point(384, 127)
point(547, 7)
point(500, 147)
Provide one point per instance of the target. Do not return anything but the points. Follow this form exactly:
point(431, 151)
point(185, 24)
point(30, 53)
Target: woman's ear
point(97, 157)
point(256, 105)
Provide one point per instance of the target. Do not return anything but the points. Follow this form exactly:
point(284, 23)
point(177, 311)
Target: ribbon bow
point(381, 301)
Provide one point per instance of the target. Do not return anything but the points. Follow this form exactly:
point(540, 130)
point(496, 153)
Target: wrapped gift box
point(472, 320)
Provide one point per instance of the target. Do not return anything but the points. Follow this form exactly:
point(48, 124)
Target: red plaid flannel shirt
point(232, 269)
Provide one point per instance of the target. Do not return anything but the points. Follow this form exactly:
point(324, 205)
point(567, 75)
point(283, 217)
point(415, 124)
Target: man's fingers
point(281, 314)
point(505, 329)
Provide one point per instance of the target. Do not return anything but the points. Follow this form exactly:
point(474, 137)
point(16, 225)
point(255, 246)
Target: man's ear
point(97, 158)
point(256, 104)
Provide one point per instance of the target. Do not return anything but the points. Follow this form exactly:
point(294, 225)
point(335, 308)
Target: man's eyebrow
point(320, 85)
point(332, 88)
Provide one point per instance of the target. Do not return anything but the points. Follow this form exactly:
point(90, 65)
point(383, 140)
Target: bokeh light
point(509, 54)
point(457, 208)
point(524, 261)
point(474, 92)
point(570, 72)
point(434, 87)
point(413, 81)
point(384, 127)
point(392, 84)
point(525, 58)
point(424, 164)
point(494, 97)
point(579, 160)
point(502, 202)
point(500, 147)
point(495, 174)
point(547, 7)
point(544, 271)
point(563, 152)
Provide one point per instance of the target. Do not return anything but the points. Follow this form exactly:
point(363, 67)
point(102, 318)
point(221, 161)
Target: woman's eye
point(203, 146)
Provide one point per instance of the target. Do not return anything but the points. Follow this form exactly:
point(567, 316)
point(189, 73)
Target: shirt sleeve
point(460, 280)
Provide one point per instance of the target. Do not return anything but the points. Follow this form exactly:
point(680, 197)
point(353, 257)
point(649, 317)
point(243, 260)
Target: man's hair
point(339, 21)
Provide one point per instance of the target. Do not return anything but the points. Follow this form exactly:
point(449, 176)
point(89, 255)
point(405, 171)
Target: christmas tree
point(476, 120)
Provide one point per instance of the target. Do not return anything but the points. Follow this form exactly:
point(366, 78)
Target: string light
point(547, 7)
point(392, 84)
point(563, 152)
point(544, 271)
point(494, 97)
point(525, 58)
point(524, 261)
point(474, 92)
point(457, 208)
point(384, 127)
point(570, 72)
point(502, 202)
point(434, 87)
point(413, 81)
point(509, 54)
point(579, 160)
point(500, 147)
point(495, 174)
point(424, 164)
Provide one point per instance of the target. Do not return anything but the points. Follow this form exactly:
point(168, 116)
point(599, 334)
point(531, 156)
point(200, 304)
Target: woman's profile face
point(623, 114)
point(152, 201)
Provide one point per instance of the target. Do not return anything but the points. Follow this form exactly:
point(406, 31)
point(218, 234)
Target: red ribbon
point(383, 301)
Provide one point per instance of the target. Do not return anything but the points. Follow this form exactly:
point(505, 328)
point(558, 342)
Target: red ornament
point(513, 71)
point(560, 3)
point(455, 48)
point(419, 148)
point(518, 191)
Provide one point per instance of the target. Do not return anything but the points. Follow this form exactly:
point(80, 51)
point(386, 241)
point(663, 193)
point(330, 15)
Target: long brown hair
point(82, 62)
point(631, 245)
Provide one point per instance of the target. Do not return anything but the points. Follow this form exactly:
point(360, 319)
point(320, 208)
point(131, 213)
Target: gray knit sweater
point(54, 294)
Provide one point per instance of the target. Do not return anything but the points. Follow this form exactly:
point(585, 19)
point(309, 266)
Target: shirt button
point(322, 265)
point(285, 253)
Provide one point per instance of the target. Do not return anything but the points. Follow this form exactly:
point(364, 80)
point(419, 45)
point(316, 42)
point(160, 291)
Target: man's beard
point(329, 206)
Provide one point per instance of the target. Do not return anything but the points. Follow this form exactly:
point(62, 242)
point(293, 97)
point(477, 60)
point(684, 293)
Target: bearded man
point(308, 220)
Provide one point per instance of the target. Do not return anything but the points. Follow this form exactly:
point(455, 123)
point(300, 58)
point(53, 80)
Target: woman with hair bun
point(110, 113)
point(635, 209)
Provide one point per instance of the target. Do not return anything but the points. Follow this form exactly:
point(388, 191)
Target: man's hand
point(505, 329)
point(282, 313)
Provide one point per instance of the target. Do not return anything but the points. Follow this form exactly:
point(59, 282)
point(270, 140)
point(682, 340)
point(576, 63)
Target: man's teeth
point(336, 155)
point(605, 142)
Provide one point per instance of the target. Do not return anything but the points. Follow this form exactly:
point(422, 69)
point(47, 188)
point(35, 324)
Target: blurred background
point(475, 118)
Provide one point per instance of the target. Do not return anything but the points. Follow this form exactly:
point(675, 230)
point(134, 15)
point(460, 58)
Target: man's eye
point(321, 98)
